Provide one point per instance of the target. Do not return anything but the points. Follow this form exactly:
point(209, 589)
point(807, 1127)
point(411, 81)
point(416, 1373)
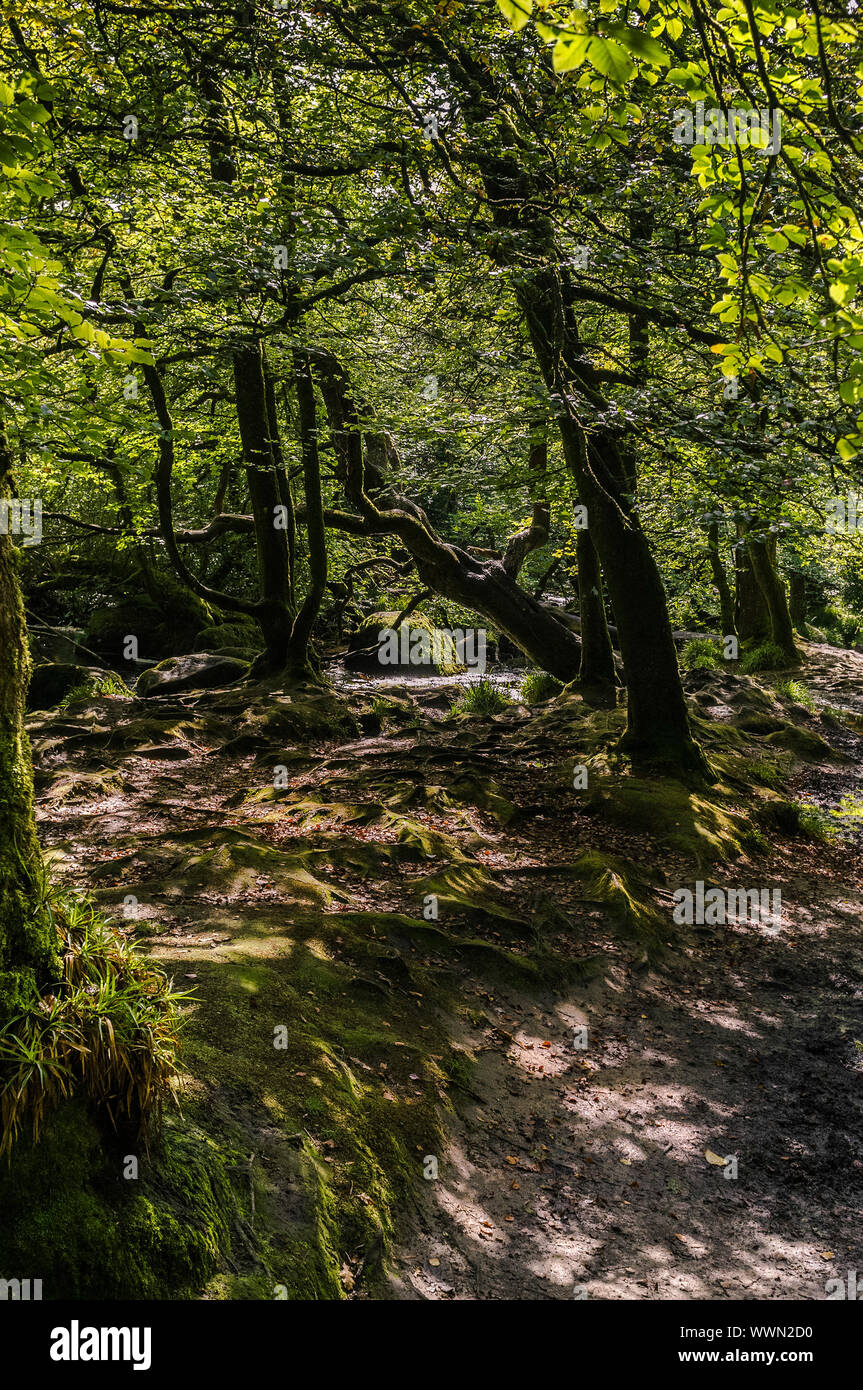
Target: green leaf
point(569, 53)
point(610, 59)
point(518, 12)
point(641, 44)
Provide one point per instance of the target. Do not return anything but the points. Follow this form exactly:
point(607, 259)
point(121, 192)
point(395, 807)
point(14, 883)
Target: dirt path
point(571, 1172)
point(583, 1173)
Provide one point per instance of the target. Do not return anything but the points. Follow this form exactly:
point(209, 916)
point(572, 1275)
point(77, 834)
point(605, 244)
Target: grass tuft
point(482, 697)
point(108, 1030)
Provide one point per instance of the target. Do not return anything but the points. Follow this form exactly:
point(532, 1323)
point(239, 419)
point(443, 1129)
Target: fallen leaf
point(714, 1158)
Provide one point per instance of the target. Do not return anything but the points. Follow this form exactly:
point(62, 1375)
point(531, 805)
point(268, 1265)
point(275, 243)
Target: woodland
point(431, 649)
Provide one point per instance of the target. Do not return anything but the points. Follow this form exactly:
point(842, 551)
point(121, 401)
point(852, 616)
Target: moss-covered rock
point(163, 628)
point(417, 646)
point(196, 672)
point(217, 636)
point(53, 681)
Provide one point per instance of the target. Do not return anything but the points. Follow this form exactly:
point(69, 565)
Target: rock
point(52, 682)
point(161, 629)
point(240, 653)
point(434, 651)
point(200, 671)
point(219, 636)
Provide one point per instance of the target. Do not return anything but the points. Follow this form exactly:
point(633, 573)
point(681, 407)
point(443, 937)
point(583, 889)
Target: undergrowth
point(109, 684)
point(482, 697)
point(107, 1030)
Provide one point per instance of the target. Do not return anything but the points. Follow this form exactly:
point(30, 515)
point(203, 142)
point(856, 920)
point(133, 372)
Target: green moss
point(804, 743)
point(700, 824)
point(220, 635)
point(70, 1217)
point(339, 1136)
point(365, 649)
point(613, 884)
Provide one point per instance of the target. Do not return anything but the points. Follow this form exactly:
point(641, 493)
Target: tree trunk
point(657, 729)
point(797, 600)
point(751, 617)
point(720, 579)
point(781, 630)
point(273, 611)
point(298, 650)
point(597, 657)
point(28, 947)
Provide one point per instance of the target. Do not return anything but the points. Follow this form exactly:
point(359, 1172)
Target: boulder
point(218, 636)
point(52, 682)
point(199, 671)
point(162, 628)
point(367, 652)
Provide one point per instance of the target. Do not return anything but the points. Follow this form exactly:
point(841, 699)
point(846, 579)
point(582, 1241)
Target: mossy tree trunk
point(797, 600)
point(751, 617)
point(597, 656)
point(27, 939)
point(720, 579)
point(256, 425)
point(658, 730)
point(775, 598)
point(299, 656)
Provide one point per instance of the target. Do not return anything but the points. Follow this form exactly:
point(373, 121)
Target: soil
point(597, 1171)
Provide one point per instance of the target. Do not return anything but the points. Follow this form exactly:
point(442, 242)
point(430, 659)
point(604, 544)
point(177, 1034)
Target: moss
point(220, 635)
point(27, 935)
point(365, 650)
point(613, 884)
point(338, 1137)
point(69, 1217)
point(700, 824)
point(804, 743)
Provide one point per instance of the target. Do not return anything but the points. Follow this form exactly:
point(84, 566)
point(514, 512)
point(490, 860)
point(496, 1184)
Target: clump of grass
point(482, 697)
point(108, 1030)
point(380, 707)
point(796, 691)
point(701, 654)
point(538, 686)
point(767, 656)
point(109, 684)
point(817, 823)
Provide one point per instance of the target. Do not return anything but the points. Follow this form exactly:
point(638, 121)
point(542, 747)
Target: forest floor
point(563, 1171)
